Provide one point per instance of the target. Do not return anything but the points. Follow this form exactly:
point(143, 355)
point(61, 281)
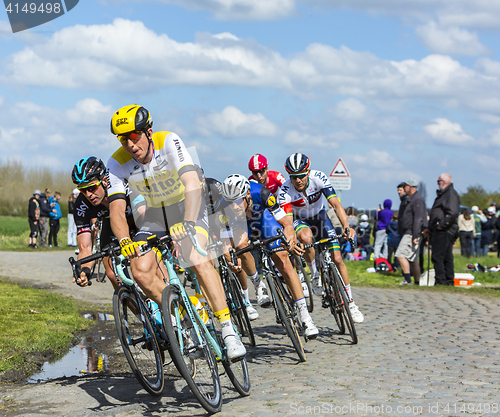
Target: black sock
point(407, 277)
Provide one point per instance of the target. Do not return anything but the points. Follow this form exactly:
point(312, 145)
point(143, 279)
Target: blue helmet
point(88, 169)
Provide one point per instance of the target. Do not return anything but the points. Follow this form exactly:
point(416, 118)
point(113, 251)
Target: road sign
point(340, 177)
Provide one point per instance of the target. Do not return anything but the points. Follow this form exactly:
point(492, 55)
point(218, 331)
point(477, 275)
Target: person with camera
point(443, 229)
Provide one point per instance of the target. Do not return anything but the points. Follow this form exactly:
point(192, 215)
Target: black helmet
point(297, 162)
point(88, 169)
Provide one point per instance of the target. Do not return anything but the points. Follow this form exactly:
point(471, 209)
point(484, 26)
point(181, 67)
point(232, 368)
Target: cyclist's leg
point(305, 236)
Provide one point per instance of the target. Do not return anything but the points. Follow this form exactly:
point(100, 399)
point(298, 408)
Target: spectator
point(443, 230)
point(33, 218)
point(352, 219)
point(71, 219)
point(414, 221)
point(404, 201)
point(393, 239)
point(487, 230)
point(466, 230)
point(363, 233)
point(495, 228)
point(43, 223)
point(383, 218)
point(479, 218)
point(55, 215)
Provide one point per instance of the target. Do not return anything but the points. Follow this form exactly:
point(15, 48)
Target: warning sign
point(340, 170)
point(340, 177)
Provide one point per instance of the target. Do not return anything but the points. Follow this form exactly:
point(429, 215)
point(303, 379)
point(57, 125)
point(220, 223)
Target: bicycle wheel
point(138, 341)
point(346, 313)
point(185, 347)
point(237, 308)
point(237, 372)
point(299, 267)
point(332, 298)
point(286, 315)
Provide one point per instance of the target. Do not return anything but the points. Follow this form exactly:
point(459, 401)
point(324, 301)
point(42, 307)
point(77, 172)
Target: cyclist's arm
point(84, 242)
point(118, 219)
point(192, 196)
point(335, 204)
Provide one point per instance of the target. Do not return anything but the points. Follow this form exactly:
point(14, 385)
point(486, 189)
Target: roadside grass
point(14, 234)
point(34, 320)
point(359, 277)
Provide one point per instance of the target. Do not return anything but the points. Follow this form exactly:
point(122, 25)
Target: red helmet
point(257, 162)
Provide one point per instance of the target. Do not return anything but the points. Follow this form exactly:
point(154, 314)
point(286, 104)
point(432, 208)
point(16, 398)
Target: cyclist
point(272, 180)
point(212, 190)
point(159, 167)
point(254, 207)
point(90, 176)
point(300, 197)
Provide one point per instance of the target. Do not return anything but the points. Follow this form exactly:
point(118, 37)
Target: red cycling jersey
point(275, 181)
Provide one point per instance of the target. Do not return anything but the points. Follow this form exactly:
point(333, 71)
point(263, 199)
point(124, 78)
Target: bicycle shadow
point(330, 336)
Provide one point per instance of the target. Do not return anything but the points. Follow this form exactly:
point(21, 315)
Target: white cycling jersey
point(307, 204)
point(157, 181)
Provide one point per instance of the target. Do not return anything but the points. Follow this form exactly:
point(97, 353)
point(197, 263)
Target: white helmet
point(235, 186)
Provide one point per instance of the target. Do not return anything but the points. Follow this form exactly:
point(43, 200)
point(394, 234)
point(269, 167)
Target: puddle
point(84, 358)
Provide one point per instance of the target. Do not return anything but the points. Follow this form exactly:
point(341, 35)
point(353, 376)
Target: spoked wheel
point(238, 310)
point(138, 341)
point(299, 267)
point(344, 311)
point(237, 372)
point(286, 315)
point(192, 356)
point(333, 298)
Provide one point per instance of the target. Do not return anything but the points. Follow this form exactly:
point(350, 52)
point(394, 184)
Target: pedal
point(324, 302)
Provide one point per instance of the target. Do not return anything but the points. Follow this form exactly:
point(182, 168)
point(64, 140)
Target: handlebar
point(109, 250)
point(256, 244)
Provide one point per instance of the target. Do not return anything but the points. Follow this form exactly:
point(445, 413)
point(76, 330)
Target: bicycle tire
point(237, 372)
point(349, 322)
point(333, 298)
point(138, 341)
point(299, 266)
point(204, 380)
point(285, 315)
point(237, 308)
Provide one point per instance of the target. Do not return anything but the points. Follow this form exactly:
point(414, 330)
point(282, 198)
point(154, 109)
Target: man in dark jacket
point(414, 221)
point(443, 229)
point(43, 223)
point(33, 216)
point(404, 201)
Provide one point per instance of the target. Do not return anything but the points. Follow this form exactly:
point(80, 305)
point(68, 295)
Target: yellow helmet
point(129, 119)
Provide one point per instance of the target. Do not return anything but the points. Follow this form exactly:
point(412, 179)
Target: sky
point(397, 89)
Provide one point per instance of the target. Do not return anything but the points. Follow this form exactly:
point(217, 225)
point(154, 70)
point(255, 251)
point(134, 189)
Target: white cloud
point(450, 40)
point(444, 131)
point(376, 159)
point(303, 141)
point(350, 109)
point(90, 111)
point(495, 137)
point(240, 9)
point(232, 123)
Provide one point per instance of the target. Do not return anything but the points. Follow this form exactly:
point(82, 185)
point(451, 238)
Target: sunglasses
point(237, 202)
point(90, 188)
point(133, 136)
point(260, 172)
point(438, 181)
point(298, 176)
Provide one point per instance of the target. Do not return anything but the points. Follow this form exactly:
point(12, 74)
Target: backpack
point(382, 264)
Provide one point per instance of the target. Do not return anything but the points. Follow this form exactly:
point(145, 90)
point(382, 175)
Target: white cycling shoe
point(317, 286)
point(235, 349)
point(263, 299)
point(357, 316)
point(310, 329)
point(252, 312)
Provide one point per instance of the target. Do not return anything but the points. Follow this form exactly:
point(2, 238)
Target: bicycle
point(234, 294)
point(143, 340)
point(284, 306)
point(334, 292)
point(195, 346)
point(299, 264)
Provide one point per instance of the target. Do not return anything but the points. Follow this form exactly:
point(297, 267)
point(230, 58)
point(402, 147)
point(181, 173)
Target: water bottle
point(155, 311)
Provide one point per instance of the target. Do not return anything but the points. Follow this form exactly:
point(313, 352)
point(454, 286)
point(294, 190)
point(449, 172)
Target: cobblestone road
point(419, 353)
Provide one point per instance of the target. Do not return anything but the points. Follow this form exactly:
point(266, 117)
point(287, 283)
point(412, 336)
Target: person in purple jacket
point(384, 218)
